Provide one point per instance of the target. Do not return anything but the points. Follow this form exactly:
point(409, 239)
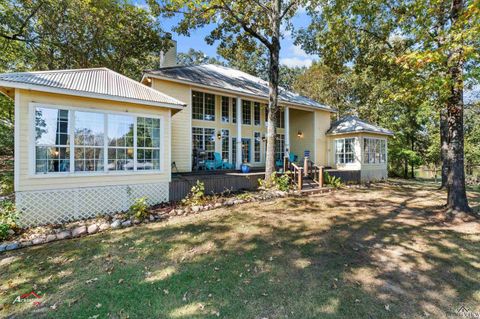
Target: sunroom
point(87, 142)
point(359, 147)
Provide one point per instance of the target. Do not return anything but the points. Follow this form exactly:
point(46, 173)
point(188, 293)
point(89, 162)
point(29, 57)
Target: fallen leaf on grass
point(89, 281)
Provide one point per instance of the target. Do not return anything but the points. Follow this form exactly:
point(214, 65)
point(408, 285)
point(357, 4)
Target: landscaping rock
point(127, 223)
point(50, 238)
point(179, 212)
point(238, 201)
point(230, 202)
point(12, 246)
point(217, 205)
point(64, 235)
point(196, 209)
point(104, 226)
point(38, 240)
point(136, 221)
point(151, 218)
point(116, 224)
point(92, 229)
point(79, 231)
point(26, 243)
point(3, 248)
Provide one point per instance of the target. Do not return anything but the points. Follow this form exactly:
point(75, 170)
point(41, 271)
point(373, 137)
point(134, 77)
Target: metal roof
point(352, 124)
point(100, 83)
point(220, 77)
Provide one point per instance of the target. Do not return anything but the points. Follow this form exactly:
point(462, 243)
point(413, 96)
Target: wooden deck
point(221, 181)
point(216, 182)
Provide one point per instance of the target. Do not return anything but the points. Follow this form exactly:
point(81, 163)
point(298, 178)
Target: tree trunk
point(405, 170)
point(273, 72)
point(457, 196)
point(444, 147)
point(412, 164)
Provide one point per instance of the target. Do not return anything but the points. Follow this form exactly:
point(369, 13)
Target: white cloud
point(296, 62)
point(297, 51)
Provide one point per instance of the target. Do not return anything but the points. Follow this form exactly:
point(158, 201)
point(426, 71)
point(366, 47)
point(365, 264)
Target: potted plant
point(245, 167)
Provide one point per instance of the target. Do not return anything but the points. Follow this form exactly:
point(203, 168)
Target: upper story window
point(234, 110)
point(225, 109)
point(246, 112)
point(203, 106)
point(374, 150)
point(256, 113)
point(281, 119)
point(345, 150)
point(82, 141)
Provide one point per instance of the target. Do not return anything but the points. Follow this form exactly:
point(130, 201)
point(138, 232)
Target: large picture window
point(344, 150)
point(375, 150)
point(95, 141)
point(89, 137)
point(203, 106)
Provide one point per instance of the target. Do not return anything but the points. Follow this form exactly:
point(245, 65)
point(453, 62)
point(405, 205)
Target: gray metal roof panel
point(217, 76)
point(100, 81)
point(352, 124)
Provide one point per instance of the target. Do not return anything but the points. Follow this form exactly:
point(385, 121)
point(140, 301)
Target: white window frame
point(345, 153)
point(105, 172)
point(204, 106)
point(260, 145)
point(374, 153)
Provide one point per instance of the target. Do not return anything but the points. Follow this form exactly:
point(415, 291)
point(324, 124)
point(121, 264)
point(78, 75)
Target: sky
point(290, 54)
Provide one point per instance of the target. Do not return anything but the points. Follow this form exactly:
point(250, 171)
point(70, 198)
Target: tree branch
point(246, 27)
point(290, 5)
point(19, 36)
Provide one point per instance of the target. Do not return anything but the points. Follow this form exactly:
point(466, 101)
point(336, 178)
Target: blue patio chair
point(216, 163)
point(292, 158)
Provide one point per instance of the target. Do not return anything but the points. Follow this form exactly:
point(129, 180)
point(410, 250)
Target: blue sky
point(290, 54)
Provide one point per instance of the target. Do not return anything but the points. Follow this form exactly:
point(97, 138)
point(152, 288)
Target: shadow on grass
point(357, 253)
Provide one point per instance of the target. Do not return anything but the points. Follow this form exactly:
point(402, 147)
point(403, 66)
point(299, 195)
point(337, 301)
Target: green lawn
point(383, 252)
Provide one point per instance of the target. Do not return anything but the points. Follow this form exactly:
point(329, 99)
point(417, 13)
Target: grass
point(382, 252)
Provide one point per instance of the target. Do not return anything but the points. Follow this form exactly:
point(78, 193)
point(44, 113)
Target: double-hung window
point(52, 140)
point(256, 113)
point(80, 141)
point(246, 112)
point(281, 119)
point(256, 146)
point(374, 150)
point(345, 150)
point(225, 144)
point(279, 147)
point(203, 140)
point(225, 109)
point(203, 106)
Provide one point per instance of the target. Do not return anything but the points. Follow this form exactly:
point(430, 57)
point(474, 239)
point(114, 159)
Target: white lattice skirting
point(59, 206)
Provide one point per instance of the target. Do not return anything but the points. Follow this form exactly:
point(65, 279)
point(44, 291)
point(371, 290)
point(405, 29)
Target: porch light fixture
point(264, 138)
point(300, 134)
point(219, 135)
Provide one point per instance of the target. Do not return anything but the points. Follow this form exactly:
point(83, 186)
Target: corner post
point(286, 115)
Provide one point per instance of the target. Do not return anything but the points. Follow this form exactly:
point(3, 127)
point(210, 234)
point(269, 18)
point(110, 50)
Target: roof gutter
point(233, 92)
point(361, 131)
point(48, 89)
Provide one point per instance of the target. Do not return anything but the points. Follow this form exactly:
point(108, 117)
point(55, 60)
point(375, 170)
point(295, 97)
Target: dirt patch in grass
point(378, 252)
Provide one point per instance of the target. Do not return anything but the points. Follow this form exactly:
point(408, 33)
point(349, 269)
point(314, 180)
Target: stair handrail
point(297, 177)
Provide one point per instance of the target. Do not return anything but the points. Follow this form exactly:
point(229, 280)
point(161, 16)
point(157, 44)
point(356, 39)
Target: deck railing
point(297, 177)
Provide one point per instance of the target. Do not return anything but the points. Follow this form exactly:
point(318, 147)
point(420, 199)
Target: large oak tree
point(240, 23)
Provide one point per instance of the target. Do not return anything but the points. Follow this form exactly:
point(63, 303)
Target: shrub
point(335, 182)
point(6, 184)
point(8, 218)
point(196, 196)
point(139, 208)
point(276, 181)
